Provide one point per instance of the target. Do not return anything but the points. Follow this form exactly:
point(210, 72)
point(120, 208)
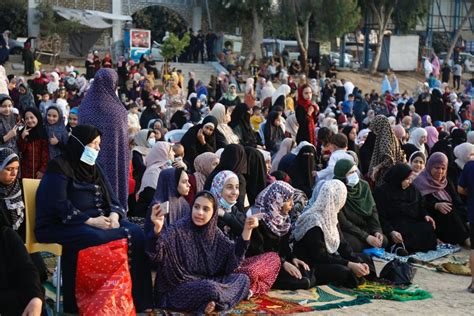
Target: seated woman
point(262, 269)
point(319, 242)
point(204, 164)
point(173, 186)
point(77, 208)
point(442, 201)
point(199, 139)
point(358, 219)
point(224, 133)
point(402, 214)
point(274, 203)
point(159, 158)
point(196, 261)
point(273, 132)
point(417, 163)
point(21, 292)
point(144, 141)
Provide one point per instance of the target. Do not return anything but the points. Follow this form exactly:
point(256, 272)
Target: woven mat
point(442, 250)
point(374, 290)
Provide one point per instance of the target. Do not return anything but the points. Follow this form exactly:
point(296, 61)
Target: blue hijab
point(58, 130)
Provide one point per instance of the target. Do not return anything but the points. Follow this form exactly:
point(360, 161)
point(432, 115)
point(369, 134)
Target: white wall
point(403, 54)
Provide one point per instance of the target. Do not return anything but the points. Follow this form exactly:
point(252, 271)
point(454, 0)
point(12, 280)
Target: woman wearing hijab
point(240, 124)
point(144, 140)
point(199, 139)
point(8, 125)
point(102, 108)
point(387, 150)
point(230, 98)
point(291, 126)
point(437, 107)
point(432, 136)
point(174, 96)
point(233, 158)
point(173, 187)
point(33, 145)
point(191, 84)
point(250, 97)
point(224, 134)
point(402, 213)
point(77, 208)
point(417, 162)
point(463, 153)
point(90, 67)
point(26, 98)
point(279, 96)
point(158, 158)
point(273, 133)
point(358, 219)
point(53, 84)
point(201, 89)
point(255, 175)
point(204, 164)
point(267, 91)
point(306, 115)
point(195, 115)
point(196, 262)
point(418, 138)
point(442, 201)
point(302, 168)
point(56, 132)
point(274, 204)
point(319, 242)
point(285, 148)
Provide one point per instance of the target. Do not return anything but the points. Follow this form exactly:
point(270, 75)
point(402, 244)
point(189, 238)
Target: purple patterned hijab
point(270, 201)
point(218, 185)
point(102, 108)
point(425, 183)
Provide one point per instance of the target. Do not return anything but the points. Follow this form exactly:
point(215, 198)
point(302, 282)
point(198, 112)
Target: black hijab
point(273, 134)
point(241, 118)
point(178, 120)
point(301, 170)
point(37, 132)
point(256, 173)
point(458, 136)
point(350, 143)
point(194, 112)
point(365, 153)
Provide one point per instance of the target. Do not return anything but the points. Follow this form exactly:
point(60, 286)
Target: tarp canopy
point(90, 18)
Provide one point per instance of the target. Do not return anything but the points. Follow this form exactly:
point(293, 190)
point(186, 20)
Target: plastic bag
point(103, 283)
point(399, 273)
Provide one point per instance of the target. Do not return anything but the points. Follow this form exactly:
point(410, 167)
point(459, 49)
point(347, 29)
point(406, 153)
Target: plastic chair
point(32, 245)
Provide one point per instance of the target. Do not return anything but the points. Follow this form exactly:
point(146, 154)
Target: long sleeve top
point(358, 225)
point(264, 240)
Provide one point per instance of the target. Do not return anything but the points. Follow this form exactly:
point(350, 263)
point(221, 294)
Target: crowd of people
point(225, 196)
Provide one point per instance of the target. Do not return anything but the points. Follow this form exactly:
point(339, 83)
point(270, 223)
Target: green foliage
point(14, 17)
point(337, 18)
point(408, 13)
point(173, 46)
point(51, 23)
point(243, 8)
point(158, 20)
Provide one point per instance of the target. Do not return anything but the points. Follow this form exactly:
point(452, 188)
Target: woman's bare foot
point(210, 308)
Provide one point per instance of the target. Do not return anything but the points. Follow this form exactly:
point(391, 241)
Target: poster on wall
point(140, 43)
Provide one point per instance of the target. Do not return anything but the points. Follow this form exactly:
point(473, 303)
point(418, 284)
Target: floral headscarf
point(270, 201)
point(218, 185)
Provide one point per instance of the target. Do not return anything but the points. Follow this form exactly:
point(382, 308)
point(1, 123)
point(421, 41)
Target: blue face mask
point(226, 205)
point(353, 179)
point(151, 142)
point(169, 162)
point(89, 156)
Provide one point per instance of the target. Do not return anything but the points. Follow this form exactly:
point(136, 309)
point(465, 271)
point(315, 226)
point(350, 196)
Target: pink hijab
point(425, 182)
point(432, 137)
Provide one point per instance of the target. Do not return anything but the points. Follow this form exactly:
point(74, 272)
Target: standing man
point(445, 73)
point(211, 39)
point(457, 74)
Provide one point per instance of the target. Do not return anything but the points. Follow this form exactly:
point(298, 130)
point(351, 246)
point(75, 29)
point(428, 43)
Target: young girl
point(72, 119)
point(33, 145)
point(56, 131)
point(8, 126)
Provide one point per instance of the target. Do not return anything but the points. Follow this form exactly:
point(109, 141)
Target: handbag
point(397, 272)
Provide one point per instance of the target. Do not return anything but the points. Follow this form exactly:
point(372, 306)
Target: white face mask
point(151, 142)
point(352, 179)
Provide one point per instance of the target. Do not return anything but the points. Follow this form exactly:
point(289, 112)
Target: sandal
point(470, 289)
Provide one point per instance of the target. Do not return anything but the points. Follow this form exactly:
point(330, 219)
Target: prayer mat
point(374, 290)
point(320, 298)
point(264, 304)
point(442, 250)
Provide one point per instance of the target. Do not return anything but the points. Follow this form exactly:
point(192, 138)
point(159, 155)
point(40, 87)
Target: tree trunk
point(257, 34)
point(378, 53)
point(469, 14)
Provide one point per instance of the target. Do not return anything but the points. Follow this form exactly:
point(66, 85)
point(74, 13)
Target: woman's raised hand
point(157, 218)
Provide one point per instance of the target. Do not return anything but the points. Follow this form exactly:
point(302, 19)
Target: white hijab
point(323, 214)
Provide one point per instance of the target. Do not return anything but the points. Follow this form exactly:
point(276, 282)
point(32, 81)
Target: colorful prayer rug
point(264, 304)
point(441, 251)
point(373, 290)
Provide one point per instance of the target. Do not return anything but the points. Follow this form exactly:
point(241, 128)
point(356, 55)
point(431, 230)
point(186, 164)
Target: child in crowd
point(56, 131)
point(133, 118)
point(45, 103)
point(257, 118)
point(72, 119)
point(339, 151)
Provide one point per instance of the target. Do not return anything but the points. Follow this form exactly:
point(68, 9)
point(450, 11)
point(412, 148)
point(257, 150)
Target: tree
point(455, 39)
point(159, 20)
point(331, 18)
point(254, 12)
point(14, 18)
point(381, 11)
point(173, 46)
point(51, 23)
